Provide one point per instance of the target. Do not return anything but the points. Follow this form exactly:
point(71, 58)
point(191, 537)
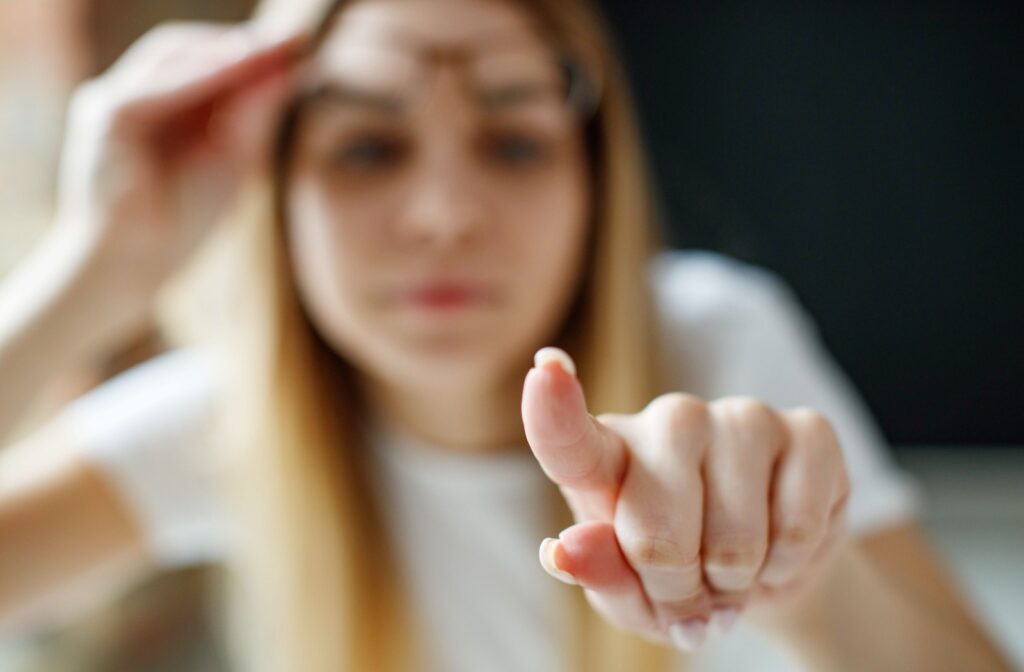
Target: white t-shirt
point(468, 526)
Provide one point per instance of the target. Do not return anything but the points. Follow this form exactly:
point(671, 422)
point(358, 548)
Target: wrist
point(68, 300)
point(113, 277)
point(60, 307)
point(807, 624)
point(852, 618)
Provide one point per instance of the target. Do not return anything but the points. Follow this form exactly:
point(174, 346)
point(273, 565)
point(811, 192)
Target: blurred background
point(871, 154)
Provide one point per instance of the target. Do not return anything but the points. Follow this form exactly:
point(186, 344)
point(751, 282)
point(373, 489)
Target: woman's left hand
point(689, 510)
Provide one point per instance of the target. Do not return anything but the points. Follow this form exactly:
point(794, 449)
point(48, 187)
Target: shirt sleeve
point(147, 431)
point(756, 339)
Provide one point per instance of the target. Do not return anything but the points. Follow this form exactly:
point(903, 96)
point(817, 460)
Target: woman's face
point(437, 201)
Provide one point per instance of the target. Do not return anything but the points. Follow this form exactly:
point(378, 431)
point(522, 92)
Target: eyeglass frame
point(584, 89)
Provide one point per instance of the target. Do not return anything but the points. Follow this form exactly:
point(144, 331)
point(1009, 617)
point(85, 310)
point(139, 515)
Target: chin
point(445, 362)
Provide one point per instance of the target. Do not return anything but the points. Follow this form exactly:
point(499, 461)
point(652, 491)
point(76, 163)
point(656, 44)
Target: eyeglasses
point(498, 78)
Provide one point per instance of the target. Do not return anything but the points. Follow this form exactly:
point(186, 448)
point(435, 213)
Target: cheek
point(549, 234)
point(328, 262)
point(551, 241)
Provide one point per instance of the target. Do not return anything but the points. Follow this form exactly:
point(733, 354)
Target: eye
point(515, 150)
point(368, 153)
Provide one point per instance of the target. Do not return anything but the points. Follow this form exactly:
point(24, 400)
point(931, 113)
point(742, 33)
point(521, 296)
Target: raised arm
point(154, 152)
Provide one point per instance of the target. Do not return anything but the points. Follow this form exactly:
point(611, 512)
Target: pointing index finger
point(573, 448)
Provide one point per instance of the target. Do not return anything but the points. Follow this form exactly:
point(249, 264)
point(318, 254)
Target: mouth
point(446, 295)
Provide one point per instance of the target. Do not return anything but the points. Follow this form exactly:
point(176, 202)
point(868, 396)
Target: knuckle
point(155, 38)
point(681, 415)
point(169, 31)
point(837, 515)
point(845, 486)
point(91, 109)
point(680, 405)
point(85, 92)
point(163, 40)
point(836, 464)
point(734, 567)
point(750, 420)
point(98, 105)
point(748, 413)
point(818, 441)
point(736, 558)
point(696, 603)
point(86, 98)
point(654, 551)
point(683, 401)
point(798, 533)
point(809, 421)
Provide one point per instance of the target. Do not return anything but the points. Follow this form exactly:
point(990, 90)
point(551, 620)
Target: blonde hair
point(315, 573)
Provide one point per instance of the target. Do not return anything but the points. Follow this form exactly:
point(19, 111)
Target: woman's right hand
point(155, 150)
point(156, 147)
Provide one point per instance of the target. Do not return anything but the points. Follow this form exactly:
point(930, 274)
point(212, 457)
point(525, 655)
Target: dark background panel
point(871, 154)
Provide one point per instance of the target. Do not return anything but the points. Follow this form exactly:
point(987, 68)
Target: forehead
point(433, 23)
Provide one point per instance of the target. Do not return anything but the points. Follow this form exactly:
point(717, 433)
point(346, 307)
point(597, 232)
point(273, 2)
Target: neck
point(484, 419)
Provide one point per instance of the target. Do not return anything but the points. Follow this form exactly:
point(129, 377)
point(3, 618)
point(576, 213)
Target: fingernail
point(779, 566)
point(549, 353)
point(688, 635)
point(723, 620)
point(547, 561)
point(727, 577)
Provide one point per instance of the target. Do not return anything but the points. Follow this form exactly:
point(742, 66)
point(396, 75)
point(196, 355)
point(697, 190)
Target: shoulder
point(172, 392)
point(720, 320)
point(178, 369)
point(697, 286)
point(174, 371)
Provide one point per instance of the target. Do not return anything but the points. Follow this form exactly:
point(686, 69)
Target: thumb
point(588, 554)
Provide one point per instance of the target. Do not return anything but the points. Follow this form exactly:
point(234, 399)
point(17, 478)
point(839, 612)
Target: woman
point(453, 186)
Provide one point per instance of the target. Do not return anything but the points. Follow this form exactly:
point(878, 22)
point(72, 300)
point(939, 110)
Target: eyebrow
point(338, 94)
point(509, 95)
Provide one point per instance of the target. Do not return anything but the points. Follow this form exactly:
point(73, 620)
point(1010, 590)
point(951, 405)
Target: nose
point(445, 205)
point(444, 208)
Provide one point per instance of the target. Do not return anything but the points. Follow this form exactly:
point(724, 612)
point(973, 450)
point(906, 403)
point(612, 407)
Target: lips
point(446, 295)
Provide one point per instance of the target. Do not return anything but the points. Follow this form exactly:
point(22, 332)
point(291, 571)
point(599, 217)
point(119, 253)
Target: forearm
point(862, 616)
point(67, 539)
point(60, 306)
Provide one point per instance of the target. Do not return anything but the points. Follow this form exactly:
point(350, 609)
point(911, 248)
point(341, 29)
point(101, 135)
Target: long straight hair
point(315, 585)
